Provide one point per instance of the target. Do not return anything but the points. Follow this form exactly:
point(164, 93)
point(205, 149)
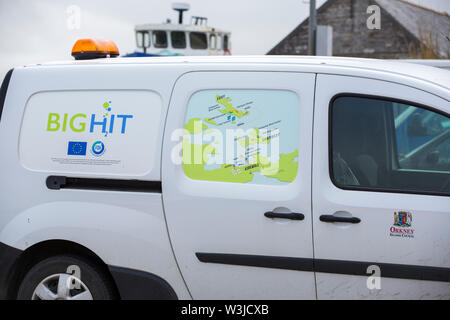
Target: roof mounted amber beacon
point(85, 49)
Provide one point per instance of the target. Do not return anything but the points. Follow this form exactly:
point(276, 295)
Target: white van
point(438, 63)
point(225, 178)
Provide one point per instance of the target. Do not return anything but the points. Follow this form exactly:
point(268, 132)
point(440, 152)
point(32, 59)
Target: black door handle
point(291, 216)
point(333, 218)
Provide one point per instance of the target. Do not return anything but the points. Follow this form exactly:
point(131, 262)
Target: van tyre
point(66, 277)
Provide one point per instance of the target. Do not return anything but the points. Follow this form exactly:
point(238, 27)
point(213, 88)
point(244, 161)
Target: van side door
point(236, 180)
point(381, 187)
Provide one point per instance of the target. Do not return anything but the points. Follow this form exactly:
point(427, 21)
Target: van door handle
point(291, 216)
point(333, 218)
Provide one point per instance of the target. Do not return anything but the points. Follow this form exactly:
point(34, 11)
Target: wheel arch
point(49, 248)
point(127, 283)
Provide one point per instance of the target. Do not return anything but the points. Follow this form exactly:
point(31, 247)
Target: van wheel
point(65, 277)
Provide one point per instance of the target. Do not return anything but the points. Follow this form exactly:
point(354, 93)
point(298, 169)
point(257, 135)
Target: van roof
point(433, 75)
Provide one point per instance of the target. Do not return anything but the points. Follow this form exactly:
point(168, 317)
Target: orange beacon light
point(85, 49)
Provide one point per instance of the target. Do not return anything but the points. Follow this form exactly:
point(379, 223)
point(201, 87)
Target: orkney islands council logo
point(402, 225)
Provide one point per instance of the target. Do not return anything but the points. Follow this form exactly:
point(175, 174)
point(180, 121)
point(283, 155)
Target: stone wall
point(351, 37)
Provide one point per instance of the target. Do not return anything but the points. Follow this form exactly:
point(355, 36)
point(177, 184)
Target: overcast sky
point(34, 31)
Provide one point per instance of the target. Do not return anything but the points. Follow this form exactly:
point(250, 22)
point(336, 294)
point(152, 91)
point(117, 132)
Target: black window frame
point(171, 39)
point(206, 42)
point(155, 43)
point(330, 144)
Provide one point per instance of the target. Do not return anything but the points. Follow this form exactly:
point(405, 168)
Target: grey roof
point(420, 21)
point(414, 18)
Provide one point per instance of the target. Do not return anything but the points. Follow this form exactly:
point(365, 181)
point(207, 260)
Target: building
point(407, 31)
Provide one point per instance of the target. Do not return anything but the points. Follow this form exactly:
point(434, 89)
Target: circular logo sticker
point(98, 148)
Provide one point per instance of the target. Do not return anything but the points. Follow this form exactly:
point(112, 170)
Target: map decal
point(242, 136)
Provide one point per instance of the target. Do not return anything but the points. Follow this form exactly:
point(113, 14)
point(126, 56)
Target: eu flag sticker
point(77, 148)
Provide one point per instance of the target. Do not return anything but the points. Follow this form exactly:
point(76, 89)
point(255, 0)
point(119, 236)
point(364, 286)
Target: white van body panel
point(224, 217)
point(431, 216)
point(437, 63)
point(101, 221)
point(129, 229)
point(424, 77)
point(138, 242)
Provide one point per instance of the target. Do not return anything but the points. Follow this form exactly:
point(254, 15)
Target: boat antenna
point(181, 7)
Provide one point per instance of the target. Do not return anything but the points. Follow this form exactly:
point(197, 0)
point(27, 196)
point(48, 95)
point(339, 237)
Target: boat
point(179, 39)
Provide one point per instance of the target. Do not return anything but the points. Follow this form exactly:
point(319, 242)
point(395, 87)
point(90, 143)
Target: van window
point(198, 40)
point(178, 39)
point(242, 136)
point(160, 39)
point(389, 146)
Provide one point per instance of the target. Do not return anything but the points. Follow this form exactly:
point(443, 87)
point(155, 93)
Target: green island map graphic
point(254, 112)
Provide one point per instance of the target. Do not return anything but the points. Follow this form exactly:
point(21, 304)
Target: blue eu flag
point(77, 148)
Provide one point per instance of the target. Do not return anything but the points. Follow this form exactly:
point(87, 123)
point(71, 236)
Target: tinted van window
point(389, 146)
